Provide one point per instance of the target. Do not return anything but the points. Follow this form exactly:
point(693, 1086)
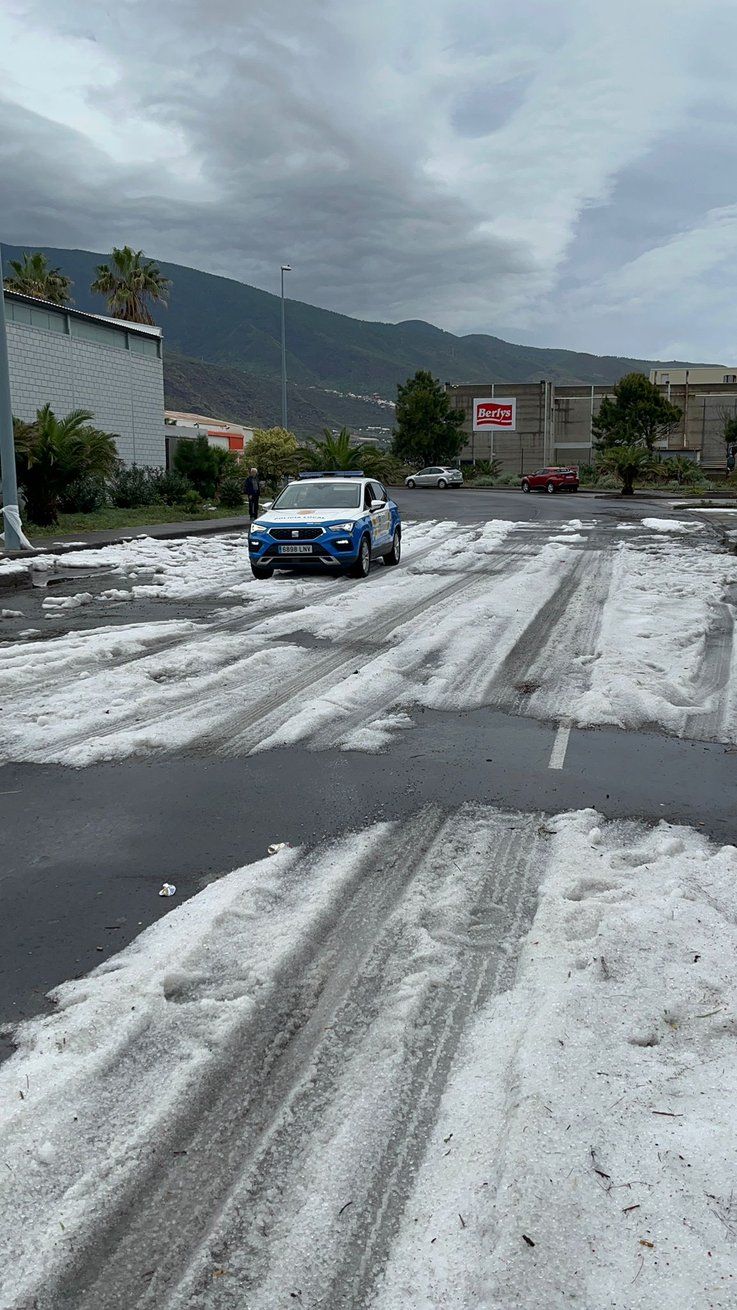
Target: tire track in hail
point(234, 736)
point(332, 734)
point(236, 624)
point(226, 1122)
point(343, 1276)
point(235, 733)
point(342, 660)
point(715, 677)
point(577, 601)
point(510, 896)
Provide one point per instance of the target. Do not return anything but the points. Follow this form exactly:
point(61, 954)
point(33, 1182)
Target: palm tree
point(52, 453)
point(339, 452)
point(128, 282)
point(626, 462)
point(32, 276)
point(335, 452)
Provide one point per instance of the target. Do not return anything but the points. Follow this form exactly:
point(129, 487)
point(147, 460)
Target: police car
point(330, 521)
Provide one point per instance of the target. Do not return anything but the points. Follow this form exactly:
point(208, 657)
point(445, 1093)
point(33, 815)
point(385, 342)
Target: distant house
point(75, 360)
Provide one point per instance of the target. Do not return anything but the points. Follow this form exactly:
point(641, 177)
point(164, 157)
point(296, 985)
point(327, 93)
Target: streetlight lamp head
point(286, 268)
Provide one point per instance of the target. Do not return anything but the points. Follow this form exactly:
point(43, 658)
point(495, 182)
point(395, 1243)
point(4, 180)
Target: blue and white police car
point(330, 521)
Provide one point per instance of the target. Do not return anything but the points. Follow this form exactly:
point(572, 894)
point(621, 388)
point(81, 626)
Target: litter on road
point(167, 889)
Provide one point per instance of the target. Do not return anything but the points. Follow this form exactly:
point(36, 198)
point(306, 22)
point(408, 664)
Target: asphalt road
point(84, 851)
point(464, 506)
point(468, 506)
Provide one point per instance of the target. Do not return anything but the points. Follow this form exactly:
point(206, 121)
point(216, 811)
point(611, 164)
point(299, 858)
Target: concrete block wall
point(700, 433)
point(40, 371)
point(124, 390)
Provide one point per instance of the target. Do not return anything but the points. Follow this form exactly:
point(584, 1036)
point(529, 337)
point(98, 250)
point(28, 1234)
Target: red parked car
point(551, 479)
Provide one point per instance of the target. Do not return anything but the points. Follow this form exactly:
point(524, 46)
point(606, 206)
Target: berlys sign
point(495, 412)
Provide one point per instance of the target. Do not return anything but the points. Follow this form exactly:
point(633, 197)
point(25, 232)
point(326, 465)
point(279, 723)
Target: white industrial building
point(75, 360)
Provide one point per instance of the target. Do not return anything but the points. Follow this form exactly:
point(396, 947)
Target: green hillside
point(231, 393)
point(220, 322)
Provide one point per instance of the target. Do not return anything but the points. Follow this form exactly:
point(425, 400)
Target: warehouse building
point(695, 374)
point(532, 424)
point(74, 360)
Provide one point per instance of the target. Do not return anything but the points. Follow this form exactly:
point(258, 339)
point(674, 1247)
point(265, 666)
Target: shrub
point(226, 462)
point(171, 486)
point(483, 468)
point(83, 496)
point(200, 463)
point(133, 487)
point(682, 471)
point(230, 494)
point(192, 501)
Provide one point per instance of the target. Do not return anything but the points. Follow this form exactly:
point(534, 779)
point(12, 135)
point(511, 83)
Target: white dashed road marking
point(560, 746)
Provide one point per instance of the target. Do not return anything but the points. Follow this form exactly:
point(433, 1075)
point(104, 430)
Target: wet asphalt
point(84, 852)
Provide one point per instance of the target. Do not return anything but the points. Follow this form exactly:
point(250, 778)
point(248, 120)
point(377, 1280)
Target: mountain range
point(222, 352)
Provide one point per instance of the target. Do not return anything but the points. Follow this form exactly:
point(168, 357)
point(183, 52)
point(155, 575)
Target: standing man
point(253, 491)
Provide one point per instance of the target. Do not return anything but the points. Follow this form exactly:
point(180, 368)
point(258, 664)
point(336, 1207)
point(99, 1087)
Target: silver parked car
point(436, 476)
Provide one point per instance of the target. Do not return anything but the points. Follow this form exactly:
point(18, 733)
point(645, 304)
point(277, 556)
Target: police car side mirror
point(378, 504)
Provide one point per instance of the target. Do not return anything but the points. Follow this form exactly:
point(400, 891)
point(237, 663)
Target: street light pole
point(285, 268)
point(14, 539)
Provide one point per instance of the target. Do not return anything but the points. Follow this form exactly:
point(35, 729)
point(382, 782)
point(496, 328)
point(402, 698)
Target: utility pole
point(14, 539)
point(285, 268)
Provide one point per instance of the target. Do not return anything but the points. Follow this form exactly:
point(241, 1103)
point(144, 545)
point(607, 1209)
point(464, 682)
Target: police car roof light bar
point(335, 473)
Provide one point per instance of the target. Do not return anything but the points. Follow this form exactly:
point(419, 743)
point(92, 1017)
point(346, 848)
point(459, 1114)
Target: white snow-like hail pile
point(565, 621)
point(377, 1075)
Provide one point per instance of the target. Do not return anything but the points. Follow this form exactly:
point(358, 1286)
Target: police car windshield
point(320, 495)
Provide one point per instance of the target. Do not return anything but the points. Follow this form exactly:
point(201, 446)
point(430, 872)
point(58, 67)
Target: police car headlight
point(341, 527)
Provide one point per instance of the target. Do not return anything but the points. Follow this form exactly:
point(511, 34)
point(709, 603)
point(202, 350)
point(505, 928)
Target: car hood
point(318, 517)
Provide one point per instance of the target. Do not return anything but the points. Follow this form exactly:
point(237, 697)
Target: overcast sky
point(556, 172)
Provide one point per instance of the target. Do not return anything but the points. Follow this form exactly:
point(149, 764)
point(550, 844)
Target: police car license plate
point(295, 550)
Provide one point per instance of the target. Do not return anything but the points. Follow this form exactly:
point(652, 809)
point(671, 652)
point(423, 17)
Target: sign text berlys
point(496, 412)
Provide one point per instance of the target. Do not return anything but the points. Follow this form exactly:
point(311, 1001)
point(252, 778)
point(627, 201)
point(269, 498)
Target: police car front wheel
point(362, 566)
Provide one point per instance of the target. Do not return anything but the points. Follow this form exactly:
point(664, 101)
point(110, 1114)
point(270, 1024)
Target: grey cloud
point(689, 171)
point(481, 109)
point(362, 239)
point(314, 148)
